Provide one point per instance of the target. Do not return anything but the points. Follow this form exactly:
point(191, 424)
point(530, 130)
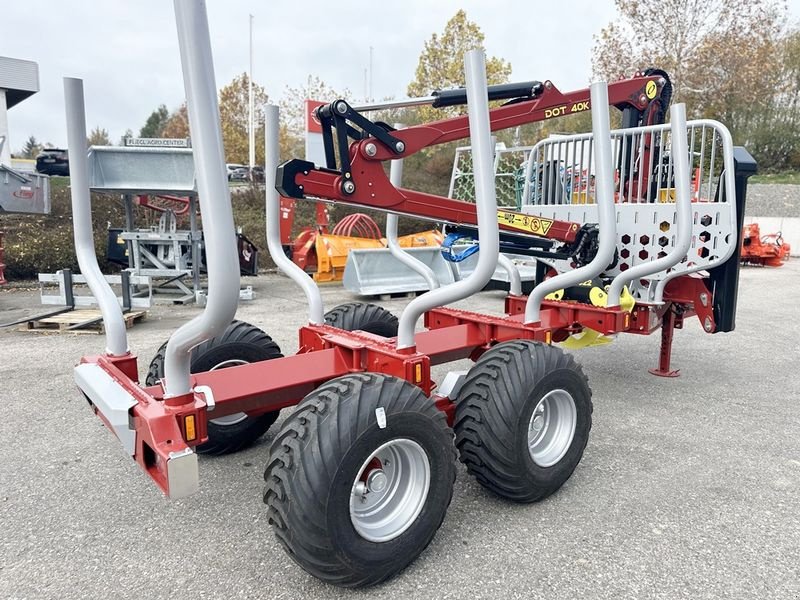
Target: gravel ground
point(689, 488)
point(773, 200)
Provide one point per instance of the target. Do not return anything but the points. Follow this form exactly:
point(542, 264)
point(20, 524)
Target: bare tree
point(98, 137)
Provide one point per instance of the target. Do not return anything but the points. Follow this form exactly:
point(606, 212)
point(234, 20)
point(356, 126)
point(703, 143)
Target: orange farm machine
point(768, 250)
point(322, 251)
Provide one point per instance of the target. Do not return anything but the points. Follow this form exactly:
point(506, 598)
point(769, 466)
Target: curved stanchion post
point(396, 178)
point(607, 218)
point(486, 206)
point(114, 324)
point(683, 206)
point(215, 200)
point(514, 278)
point(273, 207)
point(404, 257)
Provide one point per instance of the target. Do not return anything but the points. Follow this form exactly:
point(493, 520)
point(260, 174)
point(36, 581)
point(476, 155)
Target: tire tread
point(295, 511)
point(238, 333)
point(353, 316)
point(489, 407)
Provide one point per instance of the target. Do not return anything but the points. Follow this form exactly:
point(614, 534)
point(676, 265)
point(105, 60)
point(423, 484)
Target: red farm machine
point(769, 250)
point(360, 474)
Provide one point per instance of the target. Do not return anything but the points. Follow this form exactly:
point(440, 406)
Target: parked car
point(258, 174)
point(53, 161)
point(236, 172)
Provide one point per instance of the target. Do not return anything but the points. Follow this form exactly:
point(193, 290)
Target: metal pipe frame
point(727, 181)
point(728, 191)
point(215, 201)
point(514, 278)
point(113, 322)
point(683, 207)
point(396, 179)
point(273, 208)
point(485, 201)
point(604, 179)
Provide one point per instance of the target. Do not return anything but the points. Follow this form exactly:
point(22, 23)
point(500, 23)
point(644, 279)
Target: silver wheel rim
point(552, 428)
point(390, 490)
point(235, 417)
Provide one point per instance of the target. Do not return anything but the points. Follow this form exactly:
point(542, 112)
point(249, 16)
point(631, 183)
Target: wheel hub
point(390, 490)
point(377, 481)
point(552, 428)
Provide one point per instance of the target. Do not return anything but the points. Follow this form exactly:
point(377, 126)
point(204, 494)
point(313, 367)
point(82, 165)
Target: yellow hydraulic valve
point(595, 293)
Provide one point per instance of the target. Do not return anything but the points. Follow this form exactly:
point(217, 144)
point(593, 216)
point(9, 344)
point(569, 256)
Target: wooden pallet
point(64, 321)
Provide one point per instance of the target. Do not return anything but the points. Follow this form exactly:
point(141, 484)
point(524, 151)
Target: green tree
point(441, 64)
point(154, 126)
point(727, 60)
point(684, 37)
point(233, 113)
point(128, 134)
point(293, 115)
point(98, 137)
point(772, 130)
point(31, 148)
point(177, 125)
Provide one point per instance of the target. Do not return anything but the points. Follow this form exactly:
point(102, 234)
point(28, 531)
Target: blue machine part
point(449, 242)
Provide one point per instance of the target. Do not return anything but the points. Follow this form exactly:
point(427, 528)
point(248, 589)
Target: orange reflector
point(548, 337)
point(627, 320)
point(189, 428)
point(418, 373)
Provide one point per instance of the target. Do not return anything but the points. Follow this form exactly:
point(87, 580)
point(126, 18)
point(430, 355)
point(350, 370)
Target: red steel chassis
point(166, 427)
point(326, 352)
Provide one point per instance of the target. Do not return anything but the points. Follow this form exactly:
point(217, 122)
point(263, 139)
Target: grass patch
point(790, 177)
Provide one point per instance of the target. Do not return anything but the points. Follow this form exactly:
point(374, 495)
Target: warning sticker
point(526, 223)
point(650, 90)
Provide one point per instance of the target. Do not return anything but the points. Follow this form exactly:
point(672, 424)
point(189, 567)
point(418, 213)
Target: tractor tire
point(359, 316)
point(522, 420)
point(360, 478)
point(240, 343)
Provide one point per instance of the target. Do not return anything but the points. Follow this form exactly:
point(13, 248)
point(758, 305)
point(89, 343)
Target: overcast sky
point(127, 53)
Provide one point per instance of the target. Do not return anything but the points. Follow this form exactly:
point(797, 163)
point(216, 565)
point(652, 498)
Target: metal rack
point(169, 256)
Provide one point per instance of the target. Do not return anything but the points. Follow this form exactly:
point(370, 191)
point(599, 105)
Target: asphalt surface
point(689, 487)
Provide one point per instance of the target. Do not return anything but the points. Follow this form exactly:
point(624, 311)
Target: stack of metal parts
point(170, 257)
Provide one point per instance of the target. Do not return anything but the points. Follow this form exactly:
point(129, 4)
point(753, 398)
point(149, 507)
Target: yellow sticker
point(521, 222)
point(650, 90)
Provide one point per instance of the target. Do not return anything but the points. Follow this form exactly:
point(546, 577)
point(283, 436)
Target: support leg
point(665, 355)
point(129, 225)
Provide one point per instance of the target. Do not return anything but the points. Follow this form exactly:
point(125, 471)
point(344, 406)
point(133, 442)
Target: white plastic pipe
point(116, 335)
point(514, 278)
point(273, 208)
point(219, 234)
point(419, 267)
point(607, 218)
point(485, 206)
point(683, 207)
